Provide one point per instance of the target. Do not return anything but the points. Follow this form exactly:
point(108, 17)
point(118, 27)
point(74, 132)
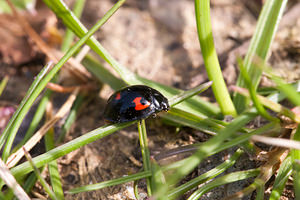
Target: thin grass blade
point(113, 182)
point(145, 151)
point(282, 176)
point(260, 45)
point(53, 167)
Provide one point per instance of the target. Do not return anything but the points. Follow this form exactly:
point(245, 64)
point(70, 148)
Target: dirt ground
point(158, 40)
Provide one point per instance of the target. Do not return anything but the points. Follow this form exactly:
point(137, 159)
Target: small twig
point(15, 157)
point(11, 182)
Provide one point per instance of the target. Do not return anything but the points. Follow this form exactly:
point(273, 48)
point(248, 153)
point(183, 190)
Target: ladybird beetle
point(134, 103)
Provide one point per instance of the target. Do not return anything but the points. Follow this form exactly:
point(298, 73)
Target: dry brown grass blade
point(11, 182)
point(15, 157)
point(74, 67)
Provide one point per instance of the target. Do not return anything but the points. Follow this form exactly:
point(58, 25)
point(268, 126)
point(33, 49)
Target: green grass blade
point(210, 57)
point(174, 193)
point(69, 35)
point(252, 91)
point(272, 105)
point(3, 84)
point(279, 96)
point(113, 182)
point(282, 176)
point(145, 151)
point(223, 180)
point(2, 195)
point(260, 45)
point(158, 182)
point(53, 167)
point(260, 192)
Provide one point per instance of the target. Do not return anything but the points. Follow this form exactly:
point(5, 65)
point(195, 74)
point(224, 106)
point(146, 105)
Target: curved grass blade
point(210, 57)
point(260, 45)
point(62, 150)
point(252, 91)
point(271, 105)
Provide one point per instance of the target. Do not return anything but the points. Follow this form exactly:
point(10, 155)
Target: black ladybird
point(134, 103)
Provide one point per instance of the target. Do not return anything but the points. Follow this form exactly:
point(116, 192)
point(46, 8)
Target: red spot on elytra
point(139, 105)
point(118, 96)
